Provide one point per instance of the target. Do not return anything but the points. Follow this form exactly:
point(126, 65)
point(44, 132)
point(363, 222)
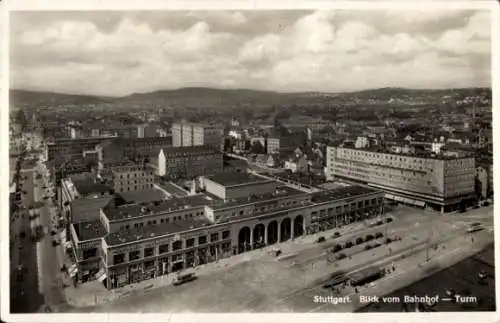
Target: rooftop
point(364, 274)
point(173, 189)
point(136, 234)
point(341, 193)
point(281, 192)
point(86, 186)
point(312, 180)
point(235, 178)
point(89, 230)
point(143, 196)
point(143, 209)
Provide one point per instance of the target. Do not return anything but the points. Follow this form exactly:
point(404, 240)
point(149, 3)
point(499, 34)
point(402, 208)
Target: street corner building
point(425, 179)
point(122, 242)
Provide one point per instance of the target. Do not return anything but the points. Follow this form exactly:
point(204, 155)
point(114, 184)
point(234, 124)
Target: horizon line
point(249, 89)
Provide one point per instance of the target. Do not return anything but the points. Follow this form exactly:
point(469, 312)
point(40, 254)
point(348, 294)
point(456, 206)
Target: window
point(91, 253)
point(202, 240)
point(225, 234)
point(148, 252)
point(163, 248)
point(214, 237)
point(118, 259)
point(190, 243)
point(177, 245)
point(133, 255)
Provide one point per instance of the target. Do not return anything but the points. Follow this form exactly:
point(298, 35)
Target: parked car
point(378, 235)
point(55, 243)
point(359, 240)
point(389, 220)
point(348, 244)
point(341, 256)
point(380, 222)
point(376, 245)
point(369, 237)
point(336, 248)
point(388, 240)
point(320, 239)
point(368, 247)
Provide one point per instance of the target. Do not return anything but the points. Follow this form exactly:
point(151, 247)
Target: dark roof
point(236, 178)
point(136, 234)
point(144, 209)
point(89, 230)
point(139, 196)
point(341, 193)
point(87, 186)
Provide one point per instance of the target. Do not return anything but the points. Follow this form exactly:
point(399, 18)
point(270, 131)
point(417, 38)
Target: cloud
point(129, 52)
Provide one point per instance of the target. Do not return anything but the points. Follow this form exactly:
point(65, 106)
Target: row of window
point(122, 176)
point(351, 206)
point(135, 188)
point(164, 220)
point(164, 248)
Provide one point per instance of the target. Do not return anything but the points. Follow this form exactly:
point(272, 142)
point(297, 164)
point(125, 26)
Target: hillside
point(226, 99)
point(34, 98)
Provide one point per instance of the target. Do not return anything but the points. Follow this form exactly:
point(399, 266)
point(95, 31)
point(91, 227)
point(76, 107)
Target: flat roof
point(141, 196)
point(86, 186)
point(281, 192)
point(128, 211)
point(89, 230)
point(136, 234)
point(311, 180)
point(341, 193)
point(237, 178)
point(173, 189)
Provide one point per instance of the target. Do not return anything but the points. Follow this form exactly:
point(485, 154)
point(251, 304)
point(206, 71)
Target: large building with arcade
point(236, 213)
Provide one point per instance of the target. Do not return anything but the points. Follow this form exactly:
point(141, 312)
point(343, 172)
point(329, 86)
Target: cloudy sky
point(118, 53)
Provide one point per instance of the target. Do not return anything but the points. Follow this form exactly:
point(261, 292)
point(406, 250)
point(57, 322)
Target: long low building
point(139, 241)
point(433, 180)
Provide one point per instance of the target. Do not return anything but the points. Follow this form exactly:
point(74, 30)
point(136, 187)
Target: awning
point(389, 196)
point(102, 278)
point(73, 270)
point(398, 198)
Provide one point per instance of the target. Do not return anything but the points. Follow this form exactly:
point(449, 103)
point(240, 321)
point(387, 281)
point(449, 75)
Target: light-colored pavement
point(49, 266)
point(258, 278)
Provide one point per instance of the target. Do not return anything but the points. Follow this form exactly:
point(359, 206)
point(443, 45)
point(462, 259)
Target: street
point(50, 273)
point(264, 283)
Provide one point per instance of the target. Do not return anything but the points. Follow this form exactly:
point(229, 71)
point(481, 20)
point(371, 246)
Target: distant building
point(189, 134)
point(297, 164)
point(131, 177)
point(433, 180)
point(187, 162)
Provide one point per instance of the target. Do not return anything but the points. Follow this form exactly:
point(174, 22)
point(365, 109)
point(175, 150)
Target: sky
point(120, 53)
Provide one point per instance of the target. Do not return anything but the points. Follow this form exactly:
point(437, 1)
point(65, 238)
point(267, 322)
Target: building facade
point(132, 177)
point(144, 241)
point(188, 162)
point(190, 134)
point(432, 180)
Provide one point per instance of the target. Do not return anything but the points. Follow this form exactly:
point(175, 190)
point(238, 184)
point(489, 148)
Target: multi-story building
point(187, 162)
point(135, 242)
point(131, 177)
point(272, 145)
point(189, 134)
point(81, 199)
point(430, 179)
point(65, 148)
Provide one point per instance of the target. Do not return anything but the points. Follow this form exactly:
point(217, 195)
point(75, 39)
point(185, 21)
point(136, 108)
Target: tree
point(257, 148)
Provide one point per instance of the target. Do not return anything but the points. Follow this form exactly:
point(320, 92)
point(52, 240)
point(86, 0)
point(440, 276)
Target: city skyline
point(120, 53)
